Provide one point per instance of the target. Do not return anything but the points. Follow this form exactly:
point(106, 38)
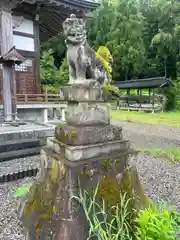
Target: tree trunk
point(126, 74)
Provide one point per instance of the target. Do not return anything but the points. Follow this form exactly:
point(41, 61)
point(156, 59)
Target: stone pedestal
point(84, 151)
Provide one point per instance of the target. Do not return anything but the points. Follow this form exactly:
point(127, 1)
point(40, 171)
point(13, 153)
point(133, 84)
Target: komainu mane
point(82, 59)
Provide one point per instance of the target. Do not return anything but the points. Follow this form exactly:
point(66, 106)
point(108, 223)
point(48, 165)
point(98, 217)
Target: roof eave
point(144, 83)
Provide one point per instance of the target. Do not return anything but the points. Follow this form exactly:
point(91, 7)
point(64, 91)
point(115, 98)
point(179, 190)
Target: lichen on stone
point(110, 189)
point(65, 133)
point(40, 201)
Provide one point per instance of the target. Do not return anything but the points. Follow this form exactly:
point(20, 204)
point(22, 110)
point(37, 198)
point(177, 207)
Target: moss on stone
point(65, 133)
point(110, 190)
point(39, 207)
point(107, 164)
point(113, 191)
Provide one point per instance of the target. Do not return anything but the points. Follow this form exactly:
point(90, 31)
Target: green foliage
point(176, 91)
point(125, 41)
point(142, 36)
point(48, 70)
point(156, 223)
point(172, 154)
point(57, 44)
point(105, 56)
point(112, 88)
point(99, 26)
point(64, 71)
point(170, 98)
point(176, 218)
point(22, 191)
point(101, 225)
point(50, 89)
point(51, 77)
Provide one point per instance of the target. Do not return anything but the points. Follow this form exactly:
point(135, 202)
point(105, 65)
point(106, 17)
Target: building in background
point(34, 22)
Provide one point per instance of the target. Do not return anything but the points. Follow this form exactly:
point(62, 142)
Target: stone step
point(27, 132)
point(77, 153)
point(19, 144)
point(5, 156)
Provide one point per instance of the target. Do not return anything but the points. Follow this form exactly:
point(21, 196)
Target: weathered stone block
point(43, 132)
point(54, 204)
point(87, 114)
point(78, 135)
point(82, 92)
point(78, 153)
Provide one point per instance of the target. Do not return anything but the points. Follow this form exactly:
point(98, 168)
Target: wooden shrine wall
point(26, 80)
point(26, 40)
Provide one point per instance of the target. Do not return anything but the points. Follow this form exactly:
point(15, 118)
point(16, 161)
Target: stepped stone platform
point(20, 142)
point(28, 131)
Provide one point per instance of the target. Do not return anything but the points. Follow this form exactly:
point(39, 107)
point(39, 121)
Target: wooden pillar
point(140, 94)
point(128, 93)
point(6, 44)
point(14, 99)
point(153, 100)
point(37, 49)
point(149, 91)
point(150, 95)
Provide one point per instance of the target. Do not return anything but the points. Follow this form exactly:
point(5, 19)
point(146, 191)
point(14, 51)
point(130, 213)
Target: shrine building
point(35, 22)
point(25, 25)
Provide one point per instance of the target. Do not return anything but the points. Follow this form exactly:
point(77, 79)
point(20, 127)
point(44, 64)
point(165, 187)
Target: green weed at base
point(157, 222)
point(101, 225)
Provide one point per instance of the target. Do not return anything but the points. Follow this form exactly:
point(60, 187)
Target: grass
point(166, 118)
point(123, 222)
point(172, 154)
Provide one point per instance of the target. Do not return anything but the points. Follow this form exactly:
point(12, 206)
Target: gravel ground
point(161, 178)
point(10, 227)
point(146, 135)
point(20, 164)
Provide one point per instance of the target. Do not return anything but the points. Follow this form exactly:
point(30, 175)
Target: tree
point(64, 71)
point(58, 47)
point(142, 36)
point(125, 40)
point(163, 41)
point(99, 25)
point(47, 68)
point(51, 77)
point(165, 38)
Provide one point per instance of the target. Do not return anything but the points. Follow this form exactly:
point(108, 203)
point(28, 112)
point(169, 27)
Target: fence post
point(46, 96)
point(25, 98)
point(63, 114)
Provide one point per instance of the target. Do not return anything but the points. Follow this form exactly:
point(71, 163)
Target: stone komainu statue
point(82, 59)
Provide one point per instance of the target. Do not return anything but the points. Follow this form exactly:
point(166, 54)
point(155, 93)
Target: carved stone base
point(84, 114)
point(82, 92)
point(84, 135)
point(84, 152)
point(78, 153)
